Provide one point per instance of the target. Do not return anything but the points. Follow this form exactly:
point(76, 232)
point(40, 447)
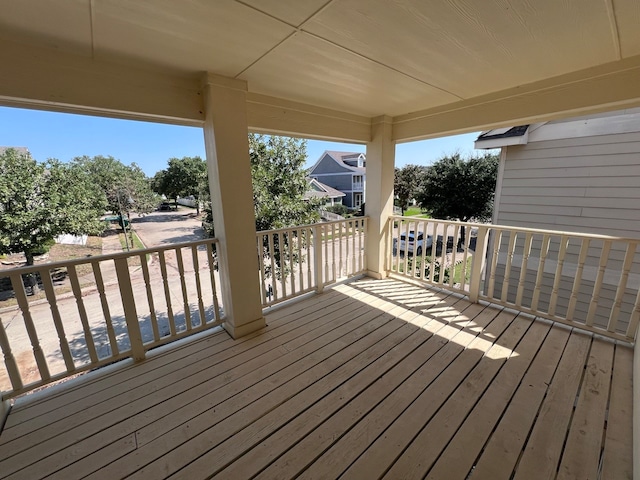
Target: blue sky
point(150, 145)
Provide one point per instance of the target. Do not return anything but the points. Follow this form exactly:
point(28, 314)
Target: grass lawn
point(415, 212)
point(137, 245)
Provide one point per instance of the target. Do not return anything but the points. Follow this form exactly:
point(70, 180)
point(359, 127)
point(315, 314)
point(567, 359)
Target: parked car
point(164, 206)
point(410, 242)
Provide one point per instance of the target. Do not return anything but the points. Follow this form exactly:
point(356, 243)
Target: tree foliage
point(279, 186)
point(454, 188)
point(406, 183)
point(183, 177)
point(280, 182)
point(126, 187)
point(39, 201)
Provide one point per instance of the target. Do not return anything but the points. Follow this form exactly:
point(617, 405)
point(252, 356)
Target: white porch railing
point(97, 310)
point(587, 281)
point(298, 260)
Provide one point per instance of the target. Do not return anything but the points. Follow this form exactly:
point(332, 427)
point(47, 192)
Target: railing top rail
point(309, 225)
point(109, 256)
point(522, 229)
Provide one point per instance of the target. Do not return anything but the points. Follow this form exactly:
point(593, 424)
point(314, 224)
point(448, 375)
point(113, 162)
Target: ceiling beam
point(597, 89)
point(48, 79)
point(273, 115)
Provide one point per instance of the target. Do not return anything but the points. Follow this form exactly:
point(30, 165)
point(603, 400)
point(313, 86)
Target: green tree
point(406, 182)
point(279, 185)
point(454, 188)
point(39, 201)
point(183, 177)
point(280, 182)
point(126, 187)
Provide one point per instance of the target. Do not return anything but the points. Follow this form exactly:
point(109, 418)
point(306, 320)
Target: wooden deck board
point(100, 431)
point(618, 445)
point(503, 449)
point(264, 349)
point(371, 378)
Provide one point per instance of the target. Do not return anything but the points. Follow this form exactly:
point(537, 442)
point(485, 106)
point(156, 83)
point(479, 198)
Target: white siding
point(584, 184)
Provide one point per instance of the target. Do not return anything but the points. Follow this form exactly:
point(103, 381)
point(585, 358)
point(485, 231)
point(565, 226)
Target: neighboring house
point(344, 171)
point(320, 190)
point(579, 174)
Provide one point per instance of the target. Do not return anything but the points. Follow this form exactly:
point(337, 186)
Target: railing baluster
point(281, 252)
point(9, 359)
point(405, 251)
point(564, 241)
point(291, 257)
point(353, 246)
point(45, 275)
point(476, 267)
point(347, 256)
point(340, 236)
point(414, 251)
point(152, 309)
point(595, 297)
point(266, 297)
point(465, 255)
point(497, 239)
point(360, 234)
point(299, 238)
point(183, 285)
point(582, 258)
point(544, 251)
point(84, 319)
point(214, 292)
point(196, 271)
point(507, 269)
point(308, 247)
point(452, 270)
point(364, 243)
point(23, 303)
point(526, 252)
point(443, 253)
point(634, 320)
point(393, 254)
point(622, 286)
point(333, 252)
point(271, 251)
point(167, 293)
point(129, 305)
point(317, 250)
point(434, 253)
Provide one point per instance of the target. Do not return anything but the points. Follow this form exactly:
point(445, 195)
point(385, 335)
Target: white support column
point(381, 152)
point(227, 147)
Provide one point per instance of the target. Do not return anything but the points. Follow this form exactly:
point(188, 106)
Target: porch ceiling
point(363, 57)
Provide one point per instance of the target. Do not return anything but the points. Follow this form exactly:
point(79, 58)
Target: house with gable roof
point(318, 189)
point(344, 171)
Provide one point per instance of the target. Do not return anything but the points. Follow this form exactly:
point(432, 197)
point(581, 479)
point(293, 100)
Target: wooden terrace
point(371, 379)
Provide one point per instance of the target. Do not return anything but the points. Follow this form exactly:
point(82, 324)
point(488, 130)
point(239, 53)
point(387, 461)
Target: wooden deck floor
point(373, 379)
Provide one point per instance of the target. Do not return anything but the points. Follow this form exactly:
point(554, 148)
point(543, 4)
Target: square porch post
point(381, 152)
point(227, 148)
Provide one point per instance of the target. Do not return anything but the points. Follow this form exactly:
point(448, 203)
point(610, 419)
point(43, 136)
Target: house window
point(357, 199)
